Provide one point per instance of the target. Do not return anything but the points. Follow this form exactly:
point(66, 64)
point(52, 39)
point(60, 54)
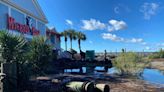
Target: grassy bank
point(129, 63)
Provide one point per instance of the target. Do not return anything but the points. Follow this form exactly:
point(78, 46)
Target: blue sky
point(136, 25)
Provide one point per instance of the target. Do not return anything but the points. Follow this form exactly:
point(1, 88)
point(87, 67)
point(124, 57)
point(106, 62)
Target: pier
point(63, 64)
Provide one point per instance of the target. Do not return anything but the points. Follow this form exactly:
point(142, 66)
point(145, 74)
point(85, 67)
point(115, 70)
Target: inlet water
point(150, 75)
point(153, 76)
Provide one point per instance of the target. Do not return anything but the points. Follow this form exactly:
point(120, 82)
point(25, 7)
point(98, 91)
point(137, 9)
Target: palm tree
point(72, 35)
point(65, 35)
point(80, 36)
point(39, 54)
point(11, 45)
point(13, 49)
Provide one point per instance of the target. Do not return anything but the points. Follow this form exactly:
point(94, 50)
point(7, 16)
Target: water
point(150, 75)
point(75, 70)
point(153, 76)
point(71, 70)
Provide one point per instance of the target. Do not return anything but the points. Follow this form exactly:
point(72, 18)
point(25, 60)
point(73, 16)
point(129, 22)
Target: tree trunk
point(66, 44)
point(71, 43)
point(79, 43)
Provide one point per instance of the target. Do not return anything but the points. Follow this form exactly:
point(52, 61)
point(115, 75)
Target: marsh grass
point(159, 54)
point(129, 63)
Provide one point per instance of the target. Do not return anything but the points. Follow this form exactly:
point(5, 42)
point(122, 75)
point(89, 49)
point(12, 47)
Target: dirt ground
point(133, 85)
point(116, 83)
point(157, 64)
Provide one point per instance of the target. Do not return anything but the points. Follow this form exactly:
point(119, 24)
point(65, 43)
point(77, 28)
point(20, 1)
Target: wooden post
point(81, 70)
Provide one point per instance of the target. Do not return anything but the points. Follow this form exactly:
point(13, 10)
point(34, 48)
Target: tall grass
point(129, 63)
point(156, 55)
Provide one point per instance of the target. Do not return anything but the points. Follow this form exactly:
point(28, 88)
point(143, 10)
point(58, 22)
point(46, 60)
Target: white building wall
point(41, 26)
point(3, 16)
point(20, 17)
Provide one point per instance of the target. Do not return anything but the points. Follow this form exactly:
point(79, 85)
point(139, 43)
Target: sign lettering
point(12, 25)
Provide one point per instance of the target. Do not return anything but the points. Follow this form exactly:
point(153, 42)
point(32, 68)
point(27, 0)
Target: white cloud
point(93, 24)
point(115, 38)
point(51, 27)
point(151, 48)
point(69, 22)
point(160, 44)
point(147, 48)
point(112, 37)
point(113, 25)
point(149, 9)
point(116, 25)
point(136, 40)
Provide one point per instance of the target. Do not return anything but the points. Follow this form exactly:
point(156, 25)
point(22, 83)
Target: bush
point(156, 55)
point(129, 64)
point(39, 55)
point(13, 49)
point(161, 53)
point(11, 46)
point(31, 57)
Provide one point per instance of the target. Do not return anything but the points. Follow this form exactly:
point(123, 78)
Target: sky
point(136, 25)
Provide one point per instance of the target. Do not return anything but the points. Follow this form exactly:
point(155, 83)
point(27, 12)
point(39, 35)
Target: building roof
point(52, 31)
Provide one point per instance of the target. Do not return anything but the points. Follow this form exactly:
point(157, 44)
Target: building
point(25, 17)
point(53, 38)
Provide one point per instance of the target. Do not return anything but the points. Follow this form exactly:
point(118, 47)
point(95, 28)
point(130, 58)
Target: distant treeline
point(117, 53)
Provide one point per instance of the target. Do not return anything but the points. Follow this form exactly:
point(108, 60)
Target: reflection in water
point(153, 76)
point(71, 70)
point(162, 72)
point(75, 70)
point(150, 75)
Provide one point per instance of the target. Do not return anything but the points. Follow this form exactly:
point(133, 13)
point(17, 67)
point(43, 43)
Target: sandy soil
point(133, 85)
point(116, 83)
point(157, 64)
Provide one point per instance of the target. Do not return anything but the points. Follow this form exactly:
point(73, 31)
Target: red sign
point(12, 25)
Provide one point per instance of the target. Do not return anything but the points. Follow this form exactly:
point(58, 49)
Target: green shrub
point(11, 46)
point(39, 55)
point(161, 53)
point(14, 49)
point(129, 63)
point(156, 55)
